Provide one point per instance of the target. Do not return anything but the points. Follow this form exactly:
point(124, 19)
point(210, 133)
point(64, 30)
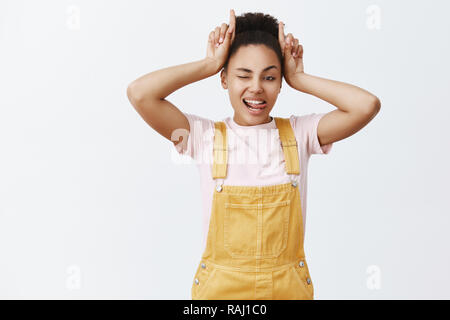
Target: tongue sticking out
point(256, 106)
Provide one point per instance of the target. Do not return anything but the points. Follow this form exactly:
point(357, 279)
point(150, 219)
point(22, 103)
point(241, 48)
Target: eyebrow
point(250, 71)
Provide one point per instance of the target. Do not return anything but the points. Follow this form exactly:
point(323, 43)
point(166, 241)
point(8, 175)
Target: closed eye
point(266, 78)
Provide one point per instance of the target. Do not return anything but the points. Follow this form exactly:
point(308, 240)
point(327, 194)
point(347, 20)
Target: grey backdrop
point(93, 206)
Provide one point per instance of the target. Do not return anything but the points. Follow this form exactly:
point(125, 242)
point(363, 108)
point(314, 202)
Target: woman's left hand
point(292, 54)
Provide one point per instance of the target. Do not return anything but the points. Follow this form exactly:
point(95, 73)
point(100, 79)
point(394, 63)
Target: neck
point(239, 122)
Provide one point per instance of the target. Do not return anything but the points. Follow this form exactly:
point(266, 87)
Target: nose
point(256, 85)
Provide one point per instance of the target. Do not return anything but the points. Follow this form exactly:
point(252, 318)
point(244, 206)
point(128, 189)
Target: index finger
point(232, 22)
point(281, 34)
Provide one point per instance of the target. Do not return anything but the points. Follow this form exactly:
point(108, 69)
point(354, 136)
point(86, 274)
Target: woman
point(254, 211)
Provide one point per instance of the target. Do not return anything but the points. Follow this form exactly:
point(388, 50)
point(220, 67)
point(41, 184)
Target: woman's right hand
point(219, 43)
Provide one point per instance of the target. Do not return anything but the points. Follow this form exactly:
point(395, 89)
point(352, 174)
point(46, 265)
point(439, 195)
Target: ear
point(223, 79)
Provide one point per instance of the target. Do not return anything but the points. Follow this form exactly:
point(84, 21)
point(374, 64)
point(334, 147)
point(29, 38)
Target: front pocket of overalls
point(256, 229)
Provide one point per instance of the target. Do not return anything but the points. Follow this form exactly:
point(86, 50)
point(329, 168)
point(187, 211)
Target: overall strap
point(220, 150)
point(289, 144)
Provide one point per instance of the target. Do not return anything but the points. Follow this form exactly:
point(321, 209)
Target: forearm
point(344, 96)
point(161, 83)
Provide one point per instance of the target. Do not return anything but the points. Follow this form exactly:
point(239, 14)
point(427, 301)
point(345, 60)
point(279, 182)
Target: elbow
point(374, 106)
point(133, 94)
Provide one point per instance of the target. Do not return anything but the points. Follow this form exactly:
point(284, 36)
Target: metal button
point(203, 265)
point(219, 188)
point(294, 183)
point(308, 280)
point(196, 281)
point(301, 264)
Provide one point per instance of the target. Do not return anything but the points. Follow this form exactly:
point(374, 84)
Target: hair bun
point(253, 21)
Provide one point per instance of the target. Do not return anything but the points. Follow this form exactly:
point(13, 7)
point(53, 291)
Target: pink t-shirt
point(255, 155)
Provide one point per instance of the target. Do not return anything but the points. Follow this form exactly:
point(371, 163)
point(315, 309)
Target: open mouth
point(255, 106)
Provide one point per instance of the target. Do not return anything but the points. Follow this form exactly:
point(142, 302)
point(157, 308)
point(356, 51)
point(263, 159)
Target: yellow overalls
point(254, 248)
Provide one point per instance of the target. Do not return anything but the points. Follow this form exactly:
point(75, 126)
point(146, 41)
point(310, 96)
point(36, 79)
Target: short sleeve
point(305, 127)
point(200, 130)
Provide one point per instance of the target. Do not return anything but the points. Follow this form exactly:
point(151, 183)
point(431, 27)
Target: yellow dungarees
point(254, 247)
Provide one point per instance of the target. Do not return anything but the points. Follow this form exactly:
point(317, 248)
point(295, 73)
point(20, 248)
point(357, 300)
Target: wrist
point(211, 66)
point(299, 81)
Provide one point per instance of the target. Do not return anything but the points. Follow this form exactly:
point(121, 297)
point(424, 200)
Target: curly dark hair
point(256, 28)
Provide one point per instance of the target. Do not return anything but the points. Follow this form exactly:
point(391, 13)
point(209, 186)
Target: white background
point(92, 205)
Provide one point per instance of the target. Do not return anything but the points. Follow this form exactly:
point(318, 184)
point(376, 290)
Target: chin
point(255, 119)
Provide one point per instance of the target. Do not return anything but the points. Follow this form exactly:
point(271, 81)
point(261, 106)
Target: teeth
point(253, 101)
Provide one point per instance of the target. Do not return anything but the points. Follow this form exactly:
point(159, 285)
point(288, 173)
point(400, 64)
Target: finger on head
point(281, 37)
point(281, 32)
point(232, 26)
point(232, 18)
